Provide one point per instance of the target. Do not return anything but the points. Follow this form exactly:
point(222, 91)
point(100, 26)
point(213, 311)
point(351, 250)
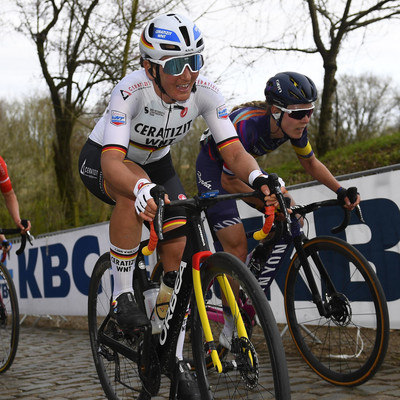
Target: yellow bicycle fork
point(230, 297)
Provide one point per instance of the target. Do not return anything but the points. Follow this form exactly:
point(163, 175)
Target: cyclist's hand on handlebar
point(25, 226)
point(145, 204)
point(349, 198)
point(6, 246)
point(270, 185)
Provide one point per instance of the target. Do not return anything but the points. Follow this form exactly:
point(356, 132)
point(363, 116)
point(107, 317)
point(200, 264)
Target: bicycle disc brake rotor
point(151, 378)
point(247, 361)
point(339, 309)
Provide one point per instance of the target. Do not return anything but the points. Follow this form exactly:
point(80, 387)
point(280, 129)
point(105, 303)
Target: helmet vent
point(151, 30)
point(185, 35)
point(294, 94)
point(199, 43)
point(170, 47)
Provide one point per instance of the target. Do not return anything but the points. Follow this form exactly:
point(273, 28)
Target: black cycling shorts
point(161, 172)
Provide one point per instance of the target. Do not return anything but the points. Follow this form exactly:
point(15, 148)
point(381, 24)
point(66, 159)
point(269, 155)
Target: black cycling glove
point(351, 193)
point(271, 180)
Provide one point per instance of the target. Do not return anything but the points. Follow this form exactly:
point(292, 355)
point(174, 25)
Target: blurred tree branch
point(331, 22)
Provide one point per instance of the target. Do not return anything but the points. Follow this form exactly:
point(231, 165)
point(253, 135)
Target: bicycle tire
point(347, 348)
point(9, 320)
point(119, 375)
point(267, 380)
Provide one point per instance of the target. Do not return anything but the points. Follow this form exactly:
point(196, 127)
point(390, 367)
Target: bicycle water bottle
point(150, 298)
point(166, 289)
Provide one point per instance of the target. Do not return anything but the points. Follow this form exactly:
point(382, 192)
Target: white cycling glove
point(142, 194)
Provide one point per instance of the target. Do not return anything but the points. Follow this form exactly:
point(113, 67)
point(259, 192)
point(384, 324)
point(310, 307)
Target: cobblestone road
point(57, 364)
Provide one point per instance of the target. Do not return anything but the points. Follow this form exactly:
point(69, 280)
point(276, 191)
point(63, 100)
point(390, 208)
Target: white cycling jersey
point(140, 122)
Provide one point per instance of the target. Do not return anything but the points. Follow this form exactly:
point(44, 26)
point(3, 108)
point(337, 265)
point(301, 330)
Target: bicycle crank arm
point(118, 347)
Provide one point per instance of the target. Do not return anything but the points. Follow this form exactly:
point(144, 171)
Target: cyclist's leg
point(124, 232)
point(163, 173)
point(255, 367)
point(223, 217)
point(119, 373)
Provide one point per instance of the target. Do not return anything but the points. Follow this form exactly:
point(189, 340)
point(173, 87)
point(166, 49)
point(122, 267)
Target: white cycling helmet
point(170, 35)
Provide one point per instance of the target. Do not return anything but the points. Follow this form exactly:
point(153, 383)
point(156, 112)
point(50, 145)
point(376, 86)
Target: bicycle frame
point(195, 252)
point(282, 247)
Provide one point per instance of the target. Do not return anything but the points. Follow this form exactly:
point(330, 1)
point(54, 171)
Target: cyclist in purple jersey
point(284, 116)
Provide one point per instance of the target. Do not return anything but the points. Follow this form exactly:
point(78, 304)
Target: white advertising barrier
point(52, 276)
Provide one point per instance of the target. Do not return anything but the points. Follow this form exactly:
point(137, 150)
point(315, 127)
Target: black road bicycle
point(9, 310)
point(335, 306)
point(131, 366)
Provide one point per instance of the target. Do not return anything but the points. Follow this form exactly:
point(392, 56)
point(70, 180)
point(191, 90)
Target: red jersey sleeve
point(5, 182)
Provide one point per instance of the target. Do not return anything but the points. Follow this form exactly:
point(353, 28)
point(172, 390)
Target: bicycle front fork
point(198, 258)
point(325, 279)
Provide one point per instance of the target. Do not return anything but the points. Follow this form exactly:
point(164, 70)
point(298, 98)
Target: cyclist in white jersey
point(127, 154)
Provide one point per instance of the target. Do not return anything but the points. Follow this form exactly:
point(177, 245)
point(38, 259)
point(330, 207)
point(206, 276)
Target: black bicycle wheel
point(9, 319)
point(118, 374)
point(253, 369)
point(348, 346)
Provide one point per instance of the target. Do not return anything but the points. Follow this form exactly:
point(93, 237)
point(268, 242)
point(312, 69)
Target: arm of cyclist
point(232, 184)
point(13, 208)
point(242, 164)
point(322, 174)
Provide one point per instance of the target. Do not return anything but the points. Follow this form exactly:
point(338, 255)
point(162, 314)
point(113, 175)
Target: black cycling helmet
point(290, 88)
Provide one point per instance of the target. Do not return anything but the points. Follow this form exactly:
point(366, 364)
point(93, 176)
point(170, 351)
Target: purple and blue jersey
point(252, 125)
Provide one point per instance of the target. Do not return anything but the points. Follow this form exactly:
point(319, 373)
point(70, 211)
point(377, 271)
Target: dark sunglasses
point(176, 65)
point(298, 113)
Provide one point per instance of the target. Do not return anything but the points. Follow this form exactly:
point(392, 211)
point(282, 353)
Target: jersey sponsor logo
point(184, 112)
point(125, 94)
point(160, 137)
point(206, 184)
point(118, 118)
point(181, 197)
point(153, 112)
point(222, 112)
point(89, 172)
point(207, 84)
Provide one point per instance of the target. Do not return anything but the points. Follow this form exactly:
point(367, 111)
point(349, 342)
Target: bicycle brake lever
point(158, 220)
point(359, 214)
point(30, 237)
point(282, 205)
